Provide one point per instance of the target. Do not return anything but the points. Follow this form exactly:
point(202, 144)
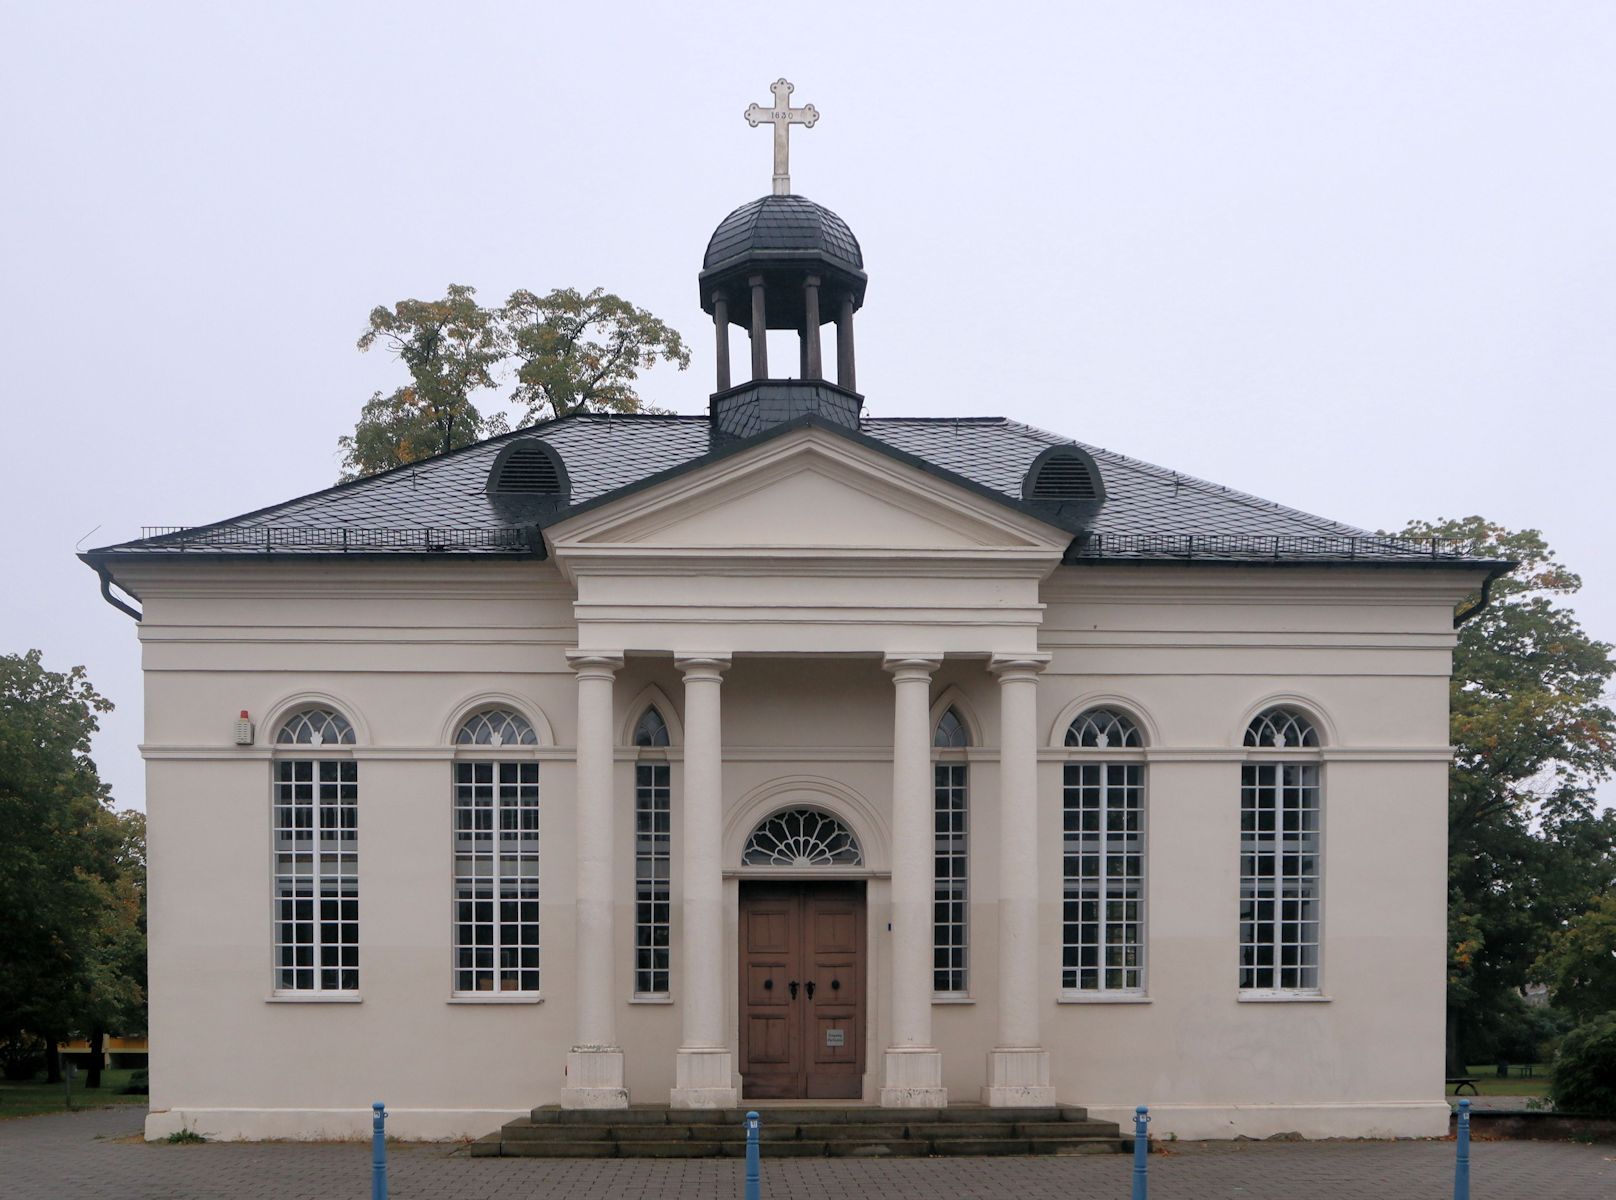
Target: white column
point(595, 1062)
point(1018, 1065)
point(912, 1066)
point(704, 1071)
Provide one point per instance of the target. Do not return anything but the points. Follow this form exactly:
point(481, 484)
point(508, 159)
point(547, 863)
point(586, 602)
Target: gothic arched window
point(315, 849)
point(651, 729)
point(653, 857)
point(1281, 854)
point(1103, 855)
point(951, 856)
point(496, 856)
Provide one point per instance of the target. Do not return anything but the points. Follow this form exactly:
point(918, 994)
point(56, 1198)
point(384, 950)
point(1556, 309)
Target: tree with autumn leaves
point(561, 353)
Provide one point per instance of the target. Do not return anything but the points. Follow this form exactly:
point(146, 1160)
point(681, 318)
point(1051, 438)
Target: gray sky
point(1354, 257)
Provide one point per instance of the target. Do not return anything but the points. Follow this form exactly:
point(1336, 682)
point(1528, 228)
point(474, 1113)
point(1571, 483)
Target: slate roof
point(441, 504)
point(782, 224)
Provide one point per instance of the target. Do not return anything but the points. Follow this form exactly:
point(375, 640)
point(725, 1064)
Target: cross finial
point(782, 116)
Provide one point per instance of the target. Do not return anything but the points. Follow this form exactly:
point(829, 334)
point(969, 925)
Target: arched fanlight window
point(496, 727)
point(951, 732)
point(651, 730)
point(1281, 729)
point(316, 727)
point(1104, 729)
point(802, 837)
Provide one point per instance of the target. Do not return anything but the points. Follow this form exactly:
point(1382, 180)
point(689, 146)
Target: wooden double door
point(802, 990)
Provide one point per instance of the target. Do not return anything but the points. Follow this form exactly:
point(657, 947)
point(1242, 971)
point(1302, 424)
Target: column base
point(913, 1078)
point(703, 1078)
point(594, 1078)
point(1018, 1078)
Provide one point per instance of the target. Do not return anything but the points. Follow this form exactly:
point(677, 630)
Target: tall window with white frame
point(1280, 855)
point(951, 830)
point(315, 840)
point(496, 856)
point(1103, 855)
point(653, 824)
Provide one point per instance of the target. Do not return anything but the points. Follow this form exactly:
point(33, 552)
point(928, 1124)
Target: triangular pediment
point(810, 490)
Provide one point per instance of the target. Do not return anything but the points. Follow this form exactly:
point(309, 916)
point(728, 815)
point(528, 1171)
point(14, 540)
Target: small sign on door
point(833, 1037)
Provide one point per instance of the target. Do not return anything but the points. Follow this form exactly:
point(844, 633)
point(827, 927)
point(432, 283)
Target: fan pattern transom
point(1104, 729)
point(802, 837)
point(316, 727)
point(1281, 729)
point(496, 727)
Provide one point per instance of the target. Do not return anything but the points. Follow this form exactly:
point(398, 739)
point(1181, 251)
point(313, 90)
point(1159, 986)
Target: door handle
point(810, 986)
point(793, 986)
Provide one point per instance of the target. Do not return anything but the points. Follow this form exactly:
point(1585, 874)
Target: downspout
point(106, 593)
point(1486, 593)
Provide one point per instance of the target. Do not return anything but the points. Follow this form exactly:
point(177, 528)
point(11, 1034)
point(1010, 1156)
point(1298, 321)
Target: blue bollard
point(378, 1152)
point(753, 1182)
point(1141, 1153)
point(1461, 1167)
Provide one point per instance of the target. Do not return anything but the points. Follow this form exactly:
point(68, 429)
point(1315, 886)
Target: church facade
point(781, 753)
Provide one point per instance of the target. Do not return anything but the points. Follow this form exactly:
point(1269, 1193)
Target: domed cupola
point(783, 262)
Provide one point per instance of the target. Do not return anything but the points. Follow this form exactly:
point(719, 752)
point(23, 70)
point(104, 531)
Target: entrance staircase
point(653, 1131)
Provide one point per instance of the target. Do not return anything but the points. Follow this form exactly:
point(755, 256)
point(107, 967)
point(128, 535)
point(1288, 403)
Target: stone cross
point(782, 116)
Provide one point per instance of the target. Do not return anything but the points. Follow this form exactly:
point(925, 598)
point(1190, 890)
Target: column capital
point(911, 666)
point(1017, 666)
point(696, 667)
point(594, 664)
point(810, 281)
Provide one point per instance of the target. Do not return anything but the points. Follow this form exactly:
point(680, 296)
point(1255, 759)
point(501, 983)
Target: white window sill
point(1283, 998)
point(650, 999)
point(952, 998)
point(496, 998)
point(1102, 998)
point(312, 998)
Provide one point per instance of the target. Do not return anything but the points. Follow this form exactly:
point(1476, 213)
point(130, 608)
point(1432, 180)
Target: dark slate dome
point(783, 227)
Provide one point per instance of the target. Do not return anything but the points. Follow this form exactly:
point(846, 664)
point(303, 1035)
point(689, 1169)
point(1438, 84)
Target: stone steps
point(650, 1131)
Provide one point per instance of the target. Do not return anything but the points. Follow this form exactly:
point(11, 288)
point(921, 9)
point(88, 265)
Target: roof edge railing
point(336, 538)
point(1268, 546)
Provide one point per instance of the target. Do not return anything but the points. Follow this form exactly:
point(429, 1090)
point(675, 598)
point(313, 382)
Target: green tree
point(1580, 964)
point(72, 936)
point(1533, 736)
point(451, 348)
point(580, 352)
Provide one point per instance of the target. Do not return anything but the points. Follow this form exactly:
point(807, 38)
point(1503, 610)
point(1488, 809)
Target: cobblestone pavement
point(94, 1155)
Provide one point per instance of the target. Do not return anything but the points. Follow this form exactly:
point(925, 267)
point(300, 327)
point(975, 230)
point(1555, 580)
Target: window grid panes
point(652, 855)
point(496, 727)
point(1279, 876)
point(496, 877)
point(1104, 865)
point(950, 953)
point(316, 847)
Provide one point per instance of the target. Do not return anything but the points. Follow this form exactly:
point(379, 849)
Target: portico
point(694, 569)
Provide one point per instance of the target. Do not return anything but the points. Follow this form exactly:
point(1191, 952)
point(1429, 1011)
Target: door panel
point(810, 1044)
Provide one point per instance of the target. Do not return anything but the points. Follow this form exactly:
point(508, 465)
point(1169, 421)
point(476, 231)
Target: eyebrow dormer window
point(528, 468)
point(1063, 473)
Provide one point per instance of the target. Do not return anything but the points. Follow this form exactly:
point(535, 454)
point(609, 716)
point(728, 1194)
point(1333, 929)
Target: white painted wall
point(404, 647)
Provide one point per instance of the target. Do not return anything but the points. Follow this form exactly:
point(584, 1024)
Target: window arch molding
point(651, 696)
point(808, 791)
point(1304, 706)
point(290, 706)
point(1126, 705)
point(952, 697)
point(470, 706)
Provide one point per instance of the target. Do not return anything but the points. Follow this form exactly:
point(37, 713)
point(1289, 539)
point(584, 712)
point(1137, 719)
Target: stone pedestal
point(703, 1078)
point(913, 1078)
point(594, 1078)
point(1018, 1078)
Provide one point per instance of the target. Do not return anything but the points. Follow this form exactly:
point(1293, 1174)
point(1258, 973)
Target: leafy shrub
point(22, 1056)
point(1585, 1068)
point(185, 1137)
point(139, 1085)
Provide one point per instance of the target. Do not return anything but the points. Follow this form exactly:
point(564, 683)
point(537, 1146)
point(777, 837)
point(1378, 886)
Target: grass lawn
point(32, 1099)
point(1488, 1082)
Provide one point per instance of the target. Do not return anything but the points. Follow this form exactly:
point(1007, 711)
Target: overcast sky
point(1359, 258)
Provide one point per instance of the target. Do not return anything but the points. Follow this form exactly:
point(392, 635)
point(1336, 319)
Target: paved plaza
point(96, 1155)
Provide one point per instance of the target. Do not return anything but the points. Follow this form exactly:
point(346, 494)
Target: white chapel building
point(781, 753)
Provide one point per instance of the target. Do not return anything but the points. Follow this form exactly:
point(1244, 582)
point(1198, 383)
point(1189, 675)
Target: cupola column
point(595, 1062)
point(760, 330)
point(721, 329)
point(844, 345)
point(812, 367)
